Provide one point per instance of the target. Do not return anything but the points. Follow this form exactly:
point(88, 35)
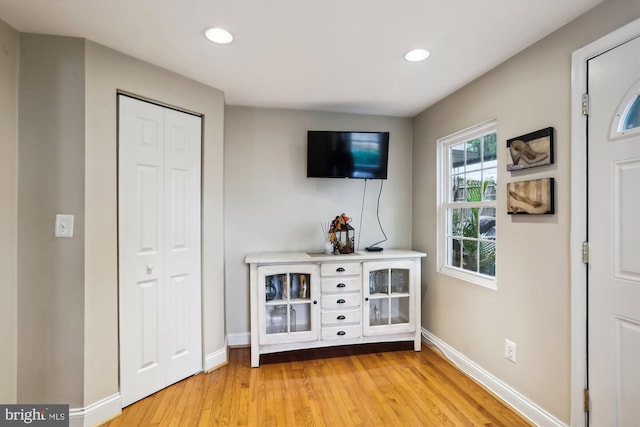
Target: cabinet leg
point(255, 358)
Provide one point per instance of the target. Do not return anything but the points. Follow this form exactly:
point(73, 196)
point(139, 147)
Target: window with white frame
point(468, 175)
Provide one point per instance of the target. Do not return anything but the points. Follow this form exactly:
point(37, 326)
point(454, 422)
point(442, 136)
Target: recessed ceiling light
point(218, 35)
point(416, 55)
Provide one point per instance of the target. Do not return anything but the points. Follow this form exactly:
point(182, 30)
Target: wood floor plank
point(373, 385)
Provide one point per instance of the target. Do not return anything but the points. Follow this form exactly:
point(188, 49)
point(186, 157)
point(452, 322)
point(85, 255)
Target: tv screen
point(347, 154)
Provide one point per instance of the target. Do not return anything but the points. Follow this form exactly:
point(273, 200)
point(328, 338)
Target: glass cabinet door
point(288, 303)
point(389, 297)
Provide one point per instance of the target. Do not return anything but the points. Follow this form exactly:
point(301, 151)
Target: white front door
point(614, 236)
point(158, 247)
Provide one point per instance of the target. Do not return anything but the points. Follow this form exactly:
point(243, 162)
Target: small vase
point(304, 287)
point(328, 248)
point(295, 286)
point(270, 291)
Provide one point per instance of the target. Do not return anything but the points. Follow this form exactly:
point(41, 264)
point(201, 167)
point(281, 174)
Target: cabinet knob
point(315, 302)
point(341, 317)
point(366, 299)
point(340, 269)
point(340, 301)
point(341, 285)
point(341, 333)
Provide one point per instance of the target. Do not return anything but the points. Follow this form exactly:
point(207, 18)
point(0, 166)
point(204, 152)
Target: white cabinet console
point(305, 300)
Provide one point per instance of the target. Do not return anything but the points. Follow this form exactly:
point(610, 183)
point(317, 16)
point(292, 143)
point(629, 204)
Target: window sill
point(473, 278)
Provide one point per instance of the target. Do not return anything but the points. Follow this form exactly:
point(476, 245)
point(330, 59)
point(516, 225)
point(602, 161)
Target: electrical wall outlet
point(510, 350)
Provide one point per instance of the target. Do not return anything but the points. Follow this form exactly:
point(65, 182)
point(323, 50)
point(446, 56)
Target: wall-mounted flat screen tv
point(332, 154)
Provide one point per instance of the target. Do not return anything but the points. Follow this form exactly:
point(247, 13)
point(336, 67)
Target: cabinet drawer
point(340, 284)
point(341, 300)
point(340, 269)
point(341, 332)
point(339, 317)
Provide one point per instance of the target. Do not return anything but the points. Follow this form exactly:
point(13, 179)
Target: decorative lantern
point(342, 235)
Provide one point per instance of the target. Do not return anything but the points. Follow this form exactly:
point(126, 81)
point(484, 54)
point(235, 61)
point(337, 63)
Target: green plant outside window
point(471, 231)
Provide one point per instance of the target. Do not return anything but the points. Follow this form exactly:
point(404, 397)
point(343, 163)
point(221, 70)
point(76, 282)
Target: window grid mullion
point(469, 205)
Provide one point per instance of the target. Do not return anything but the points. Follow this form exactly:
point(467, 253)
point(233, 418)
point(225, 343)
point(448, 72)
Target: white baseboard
point(510, 396)
point(96, 413)
point(216, 359)
point(242, 339)
point(111, 407)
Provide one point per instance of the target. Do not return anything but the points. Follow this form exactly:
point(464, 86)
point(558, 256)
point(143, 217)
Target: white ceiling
point(328, 55)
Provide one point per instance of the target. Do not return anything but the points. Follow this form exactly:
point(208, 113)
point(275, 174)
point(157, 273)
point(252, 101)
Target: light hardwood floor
point(381, 385)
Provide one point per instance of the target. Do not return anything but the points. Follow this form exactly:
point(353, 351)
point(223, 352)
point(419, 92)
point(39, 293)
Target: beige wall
point(50, 181)
point(271, 205)
point(106, 72)
point(532, 303)
point(9, 41)
point(61, 294)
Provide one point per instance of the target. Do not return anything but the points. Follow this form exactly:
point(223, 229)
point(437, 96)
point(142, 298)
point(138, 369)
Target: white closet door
point(159, 247)
point(182, 244)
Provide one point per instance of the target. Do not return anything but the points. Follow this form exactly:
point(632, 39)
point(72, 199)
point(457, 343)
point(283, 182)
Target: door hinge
point(585, 400)
point(585, 104)
point(585, 252)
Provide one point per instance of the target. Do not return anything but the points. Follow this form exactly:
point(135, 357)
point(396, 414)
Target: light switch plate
point(64, 225)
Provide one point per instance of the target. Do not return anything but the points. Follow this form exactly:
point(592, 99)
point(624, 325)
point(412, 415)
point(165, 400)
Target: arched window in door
point(627, 119)
point(632, 119)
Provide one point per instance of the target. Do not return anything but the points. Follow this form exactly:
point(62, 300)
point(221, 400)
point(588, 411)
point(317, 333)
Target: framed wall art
point(530, 150)
point(534, 197)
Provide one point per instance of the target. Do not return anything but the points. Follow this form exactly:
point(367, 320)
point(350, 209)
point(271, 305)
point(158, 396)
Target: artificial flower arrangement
point(341, 235)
